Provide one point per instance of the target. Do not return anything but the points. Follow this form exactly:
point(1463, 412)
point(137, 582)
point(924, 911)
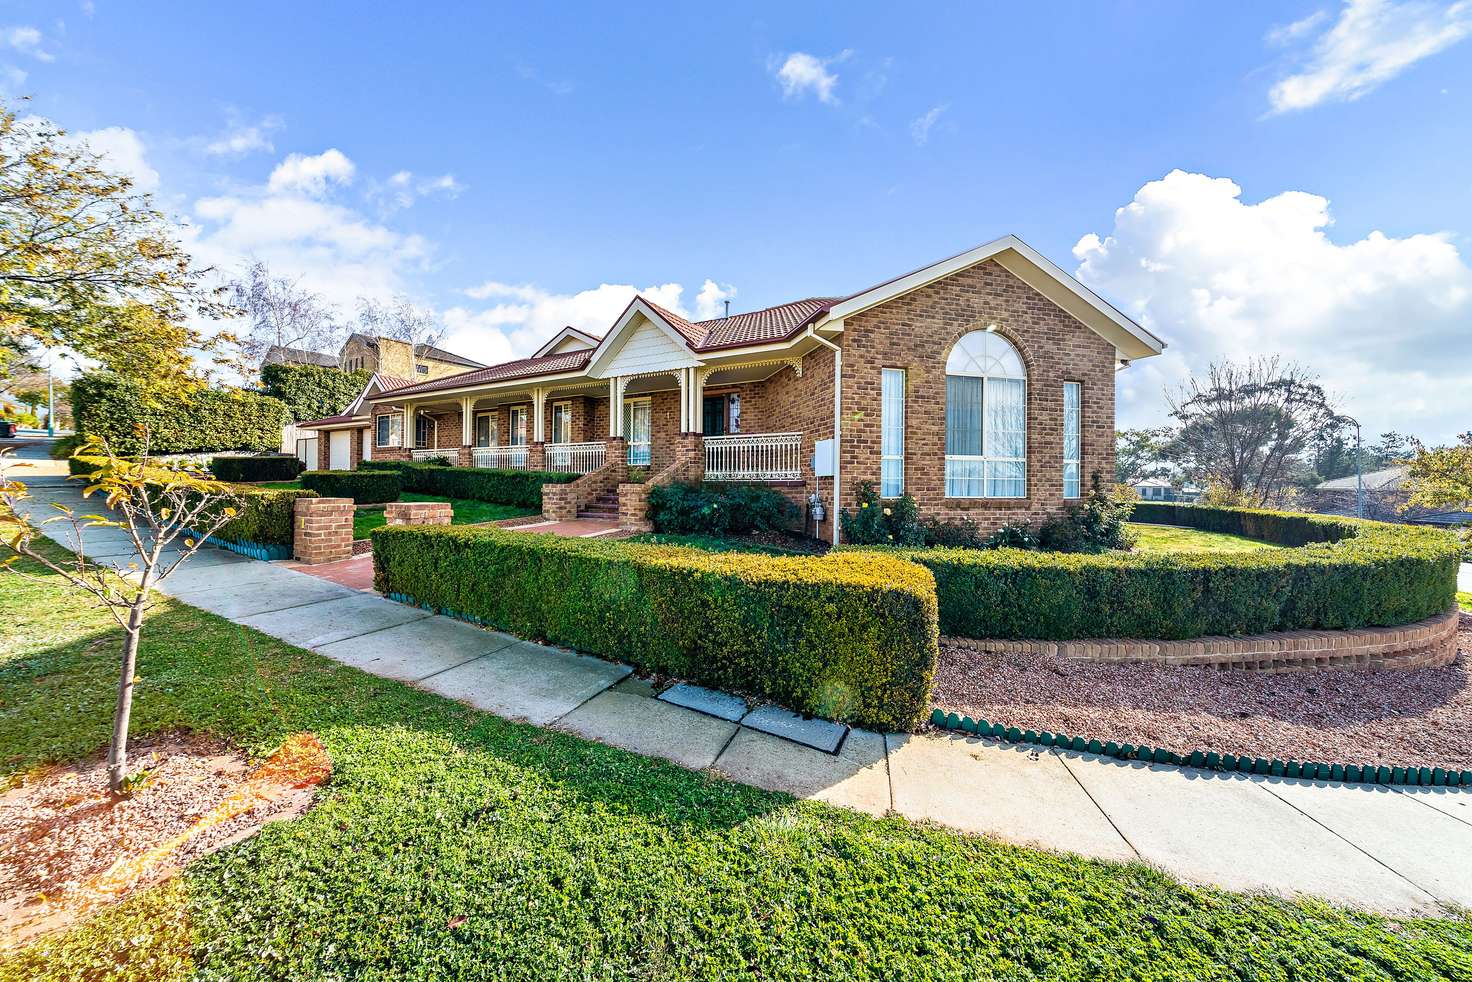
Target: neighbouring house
point(1386, 493)
point(983, 385)
point(400, 359)
point(1161, 489)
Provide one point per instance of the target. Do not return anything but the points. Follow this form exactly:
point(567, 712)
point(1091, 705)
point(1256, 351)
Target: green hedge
point(210, 420)
point(849, 636)
point(364, 487)
point(1343, 574)
point(311, 391)
point(264, 516)
point(248, 469)
point(499, 487)
point(719, 509)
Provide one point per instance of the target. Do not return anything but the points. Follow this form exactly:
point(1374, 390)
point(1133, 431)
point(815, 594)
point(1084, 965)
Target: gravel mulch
point(67, 845)
point(1421, 717)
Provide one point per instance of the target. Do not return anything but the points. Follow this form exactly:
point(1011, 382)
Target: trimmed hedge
point(499, 487)
point(364, 487)
point(849, 637)
point(247, 469)
point(719, 509)
point(1343, 574)
point(210, 420)
point(312, 391)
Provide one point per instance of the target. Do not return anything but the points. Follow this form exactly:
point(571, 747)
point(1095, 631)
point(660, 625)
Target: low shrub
point(848, 636)
point(275, 467)
point(1345, 574)
point(966, 534)
point(364, 487)
point(499, 487)
point(880, 523)
point(264, 516)
point(719, 509)
point(1097, 526)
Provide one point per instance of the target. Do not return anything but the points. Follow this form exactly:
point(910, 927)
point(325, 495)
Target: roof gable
point(665, 339)
point(567, 340)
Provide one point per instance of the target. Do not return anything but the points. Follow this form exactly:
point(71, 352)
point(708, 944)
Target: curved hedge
point(848, 636)
point(498, 487)
point(274, 467)
point(364, 487)
point(1343, 573)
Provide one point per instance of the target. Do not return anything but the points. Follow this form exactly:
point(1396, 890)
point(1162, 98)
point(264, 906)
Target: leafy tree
point(1441, 478)
point(1140, 454)
point(157, 507)
point(311, 391)
point(1246, 427)
point(83, 256)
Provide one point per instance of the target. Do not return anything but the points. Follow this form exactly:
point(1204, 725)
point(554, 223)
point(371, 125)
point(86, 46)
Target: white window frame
point(492, 436)
point(986, 459)
point(518, 415)
point(1073, 426)
point(394, 439)
point(640, 452)
point(564, 409)
point(891, 430)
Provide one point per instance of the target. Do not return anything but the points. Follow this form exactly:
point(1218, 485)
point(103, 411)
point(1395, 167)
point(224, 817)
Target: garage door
point(340, 450)
point(306, 450)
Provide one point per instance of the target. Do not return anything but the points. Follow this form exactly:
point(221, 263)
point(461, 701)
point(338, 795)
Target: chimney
point(728, 308)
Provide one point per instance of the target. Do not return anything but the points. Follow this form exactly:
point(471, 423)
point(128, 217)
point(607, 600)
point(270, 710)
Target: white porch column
point(407, 430)
point(697, 399)
point(683, 378)
point(539, 411)
point(467, 421)
point(615, 407)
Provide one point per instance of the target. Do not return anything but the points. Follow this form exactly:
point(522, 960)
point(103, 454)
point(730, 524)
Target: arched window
point(986, 419)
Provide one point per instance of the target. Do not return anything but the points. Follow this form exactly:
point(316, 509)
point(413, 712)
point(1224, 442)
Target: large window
point(562, 422)
point(637, 432)
point(892, 434)
point(424, 434)
point(517, 421)
point(388, 430)
point(986, 419)
point(1071, 457)
point(485, 429)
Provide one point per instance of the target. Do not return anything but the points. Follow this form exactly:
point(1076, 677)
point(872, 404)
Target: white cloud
point(122, 152)
point(311, 175)
point(523, 317)
point(1372, 42)
point(404, 187)
point(920, 127)
point(27, 40)
point(710, 301)
point(1288, 33)
point(802, 73)
point(241, 137)
point(1380, 319)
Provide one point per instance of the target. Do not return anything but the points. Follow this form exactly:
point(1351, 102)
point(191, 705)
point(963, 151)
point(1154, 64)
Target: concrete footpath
point(1388, 849)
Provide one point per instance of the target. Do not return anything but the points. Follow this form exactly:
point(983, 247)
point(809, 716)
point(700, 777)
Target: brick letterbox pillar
point(323, 530)
point(418, 513)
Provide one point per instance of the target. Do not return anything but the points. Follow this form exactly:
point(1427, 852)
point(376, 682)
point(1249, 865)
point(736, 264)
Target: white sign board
point(823, 458)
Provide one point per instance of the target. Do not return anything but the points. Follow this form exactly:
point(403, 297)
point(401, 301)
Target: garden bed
point(1417, 717)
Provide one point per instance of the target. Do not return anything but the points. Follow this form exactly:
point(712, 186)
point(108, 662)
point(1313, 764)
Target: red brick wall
point(916, 332)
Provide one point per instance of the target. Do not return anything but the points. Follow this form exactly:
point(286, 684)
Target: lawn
point(1172, 538)
point(464, 511)
point(451, 843)
point(1464, 600)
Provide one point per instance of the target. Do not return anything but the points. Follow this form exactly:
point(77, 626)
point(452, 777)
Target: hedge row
point(312, 391)
point(499, 487)
point(109, 406)
point(364, 487)
point(1343, 574)
point(849, 637)
point(276, 467)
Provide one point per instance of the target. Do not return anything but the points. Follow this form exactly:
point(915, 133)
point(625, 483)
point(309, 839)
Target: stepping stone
point(820, 734)
point(721, 705)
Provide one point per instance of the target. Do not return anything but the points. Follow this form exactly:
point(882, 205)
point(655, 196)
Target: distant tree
point(1392, 448)
point(280, 312)
point(1441, 478)
point(1245, 427)
point(81, 252)
point(1140, 454)
point(401, 320)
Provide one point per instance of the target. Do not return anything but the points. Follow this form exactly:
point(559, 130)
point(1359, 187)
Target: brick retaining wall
point(1424, 644)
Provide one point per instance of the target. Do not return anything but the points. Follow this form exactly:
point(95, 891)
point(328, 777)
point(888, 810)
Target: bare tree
point(1246, 426)
point(401, 320)
point(157, 506)
point(282, 313)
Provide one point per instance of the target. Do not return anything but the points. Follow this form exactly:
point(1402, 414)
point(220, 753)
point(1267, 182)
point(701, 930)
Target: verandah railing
point(754, 457)
point(576, 458)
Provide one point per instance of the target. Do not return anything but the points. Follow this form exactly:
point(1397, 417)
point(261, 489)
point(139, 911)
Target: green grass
point(464, 512)
point(289, 485)
point(1171, 538)
point(570, 859)
point(1464, 600)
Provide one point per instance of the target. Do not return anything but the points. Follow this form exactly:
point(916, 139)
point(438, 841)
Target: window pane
point(965, 478)
point(892, 434)
point(380, 435)
point(1005, 479)
point(1005, 417)
point(1070, 480)
point(963, 415)
point(1071, 412)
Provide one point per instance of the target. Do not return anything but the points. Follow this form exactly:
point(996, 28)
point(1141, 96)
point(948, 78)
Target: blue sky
point(1293, 177)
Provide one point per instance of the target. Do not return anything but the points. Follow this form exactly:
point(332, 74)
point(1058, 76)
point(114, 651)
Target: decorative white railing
point(641, 453)
point(576, 458)
point(754, 457)
point(501, 458)
point(450, 454)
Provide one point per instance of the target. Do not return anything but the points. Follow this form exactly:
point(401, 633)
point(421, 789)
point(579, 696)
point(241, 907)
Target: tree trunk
point(117, 751)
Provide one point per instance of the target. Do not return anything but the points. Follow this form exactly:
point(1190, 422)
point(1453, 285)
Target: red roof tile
point(759, 326)
point(330, 420)
point(569, 361)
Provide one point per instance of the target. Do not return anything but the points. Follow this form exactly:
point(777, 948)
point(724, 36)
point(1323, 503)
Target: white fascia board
point(352, 424)
point(1033, 268)
point(479, 388)
point(563, 335)
point(614, 339)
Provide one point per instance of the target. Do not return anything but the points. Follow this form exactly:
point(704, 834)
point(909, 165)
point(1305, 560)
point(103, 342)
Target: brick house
point(983, 385)
point(387, 356)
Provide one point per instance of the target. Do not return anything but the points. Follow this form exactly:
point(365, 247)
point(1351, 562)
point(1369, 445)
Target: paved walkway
point(1401, 849)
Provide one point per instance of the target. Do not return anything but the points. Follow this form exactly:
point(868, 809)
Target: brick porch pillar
point(466, 458)
point(616, 454)
point(322, 530)
point(690, 454)
point(536, 456)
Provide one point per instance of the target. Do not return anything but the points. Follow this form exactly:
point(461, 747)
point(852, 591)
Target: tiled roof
point(569, 361)
point(328, 420)
point(693, 334)
point(758, 326)
point(279, 354)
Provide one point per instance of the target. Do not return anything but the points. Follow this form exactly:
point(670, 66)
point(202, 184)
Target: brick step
point(597, 512)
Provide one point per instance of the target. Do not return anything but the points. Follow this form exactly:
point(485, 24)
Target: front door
point(637, 431)
point(714, 416)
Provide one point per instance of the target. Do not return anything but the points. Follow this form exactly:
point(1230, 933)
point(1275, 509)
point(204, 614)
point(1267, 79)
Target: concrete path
point(1388, 849)
point(1464, 577)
